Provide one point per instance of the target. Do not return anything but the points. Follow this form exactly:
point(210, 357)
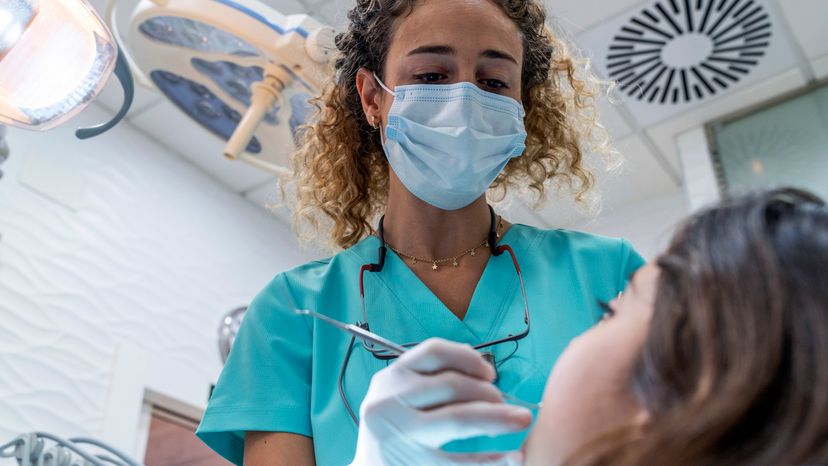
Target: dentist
point(433, 104)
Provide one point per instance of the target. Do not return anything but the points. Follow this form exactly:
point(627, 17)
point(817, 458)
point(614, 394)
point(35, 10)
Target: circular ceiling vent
point(679, 51)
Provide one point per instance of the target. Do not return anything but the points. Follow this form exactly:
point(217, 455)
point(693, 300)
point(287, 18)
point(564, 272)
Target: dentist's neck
point(422, 230)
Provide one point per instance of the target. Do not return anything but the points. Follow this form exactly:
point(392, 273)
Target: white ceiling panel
point(559, 211)
point(578, 15)
point(820, 67)
point(616, 125)
point(515, 210)
point(287, 7)
point(648, 225)
point(639, 178)
point(809, 23)
point(174, 129)
point(331, 12)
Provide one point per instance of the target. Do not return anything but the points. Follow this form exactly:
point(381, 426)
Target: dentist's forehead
point(458, 24)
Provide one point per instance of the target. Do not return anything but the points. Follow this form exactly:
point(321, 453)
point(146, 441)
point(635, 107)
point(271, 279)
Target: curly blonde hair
point(340, 170)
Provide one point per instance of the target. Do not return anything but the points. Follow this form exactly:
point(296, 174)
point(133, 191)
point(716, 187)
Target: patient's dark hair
point(734, 369)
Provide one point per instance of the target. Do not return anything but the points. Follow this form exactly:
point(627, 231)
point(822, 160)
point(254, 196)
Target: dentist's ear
point(371, 95)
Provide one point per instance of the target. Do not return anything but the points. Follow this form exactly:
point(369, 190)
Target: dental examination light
point(237, 68)
point(55, 57)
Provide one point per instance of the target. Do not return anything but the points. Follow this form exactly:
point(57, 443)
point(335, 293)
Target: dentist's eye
point(430, 77)
point(495, 84)
point(609, 312)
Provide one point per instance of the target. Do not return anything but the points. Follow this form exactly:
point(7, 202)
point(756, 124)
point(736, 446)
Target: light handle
point(265, 94)
point(124, 75)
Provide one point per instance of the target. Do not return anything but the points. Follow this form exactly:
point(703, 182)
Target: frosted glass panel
point(786, 144)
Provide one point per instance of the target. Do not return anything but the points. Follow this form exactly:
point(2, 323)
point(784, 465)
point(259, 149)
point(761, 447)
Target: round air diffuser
point(679, 51)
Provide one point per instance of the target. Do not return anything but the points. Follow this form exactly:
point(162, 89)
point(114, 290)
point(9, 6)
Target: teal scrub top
point(282, 373)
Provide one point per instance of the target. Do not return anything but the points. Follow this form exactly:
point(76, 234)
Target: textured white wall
point(109, 243)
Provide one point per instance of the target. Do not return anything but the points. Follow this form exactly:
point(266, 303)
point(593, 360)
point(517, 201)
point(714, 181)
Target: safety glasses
point(385, 355)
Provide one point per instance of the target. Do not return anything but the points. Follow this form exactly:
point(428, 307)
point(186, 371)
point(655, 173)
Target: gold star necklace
point(455, 260)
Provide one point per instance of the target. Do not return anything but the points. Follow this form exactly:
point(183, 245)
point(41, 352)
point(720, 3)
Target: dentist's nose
point(466, 74)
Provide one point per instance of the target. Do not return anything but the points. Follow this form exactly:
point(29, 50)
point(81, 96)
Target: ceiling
point(644, 132)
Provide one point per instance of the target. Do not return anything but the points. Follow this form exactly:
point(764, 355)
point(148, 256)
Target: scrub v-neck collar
point(494, 294)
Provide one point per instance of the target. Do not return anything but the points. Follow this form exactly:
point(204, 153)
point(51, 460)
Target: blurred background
point(122, 257)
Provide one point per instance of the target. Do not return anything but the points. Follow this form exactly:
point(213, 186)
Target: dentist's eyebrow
point(499, 55)
point(448, 50)
point(434, 49)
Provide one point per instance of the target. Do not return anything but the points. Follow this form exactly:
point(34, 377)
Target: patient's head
point(716, 354)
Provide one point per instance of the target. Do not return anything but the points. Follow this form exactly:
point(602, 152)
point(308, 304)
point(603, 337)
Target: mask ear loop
point(382, 85)
point(386, 89)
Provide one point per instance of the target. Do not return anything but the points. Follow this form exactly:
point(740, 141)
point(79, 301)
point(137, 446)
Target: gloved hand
point(435, 393)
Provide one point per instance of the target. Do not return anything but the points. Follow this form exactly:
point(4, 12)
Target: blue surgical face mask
point(448, 143)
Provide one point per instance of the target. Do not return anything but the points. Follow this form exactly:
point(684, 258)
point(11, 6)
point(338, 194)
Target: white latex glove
point(435, 393)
